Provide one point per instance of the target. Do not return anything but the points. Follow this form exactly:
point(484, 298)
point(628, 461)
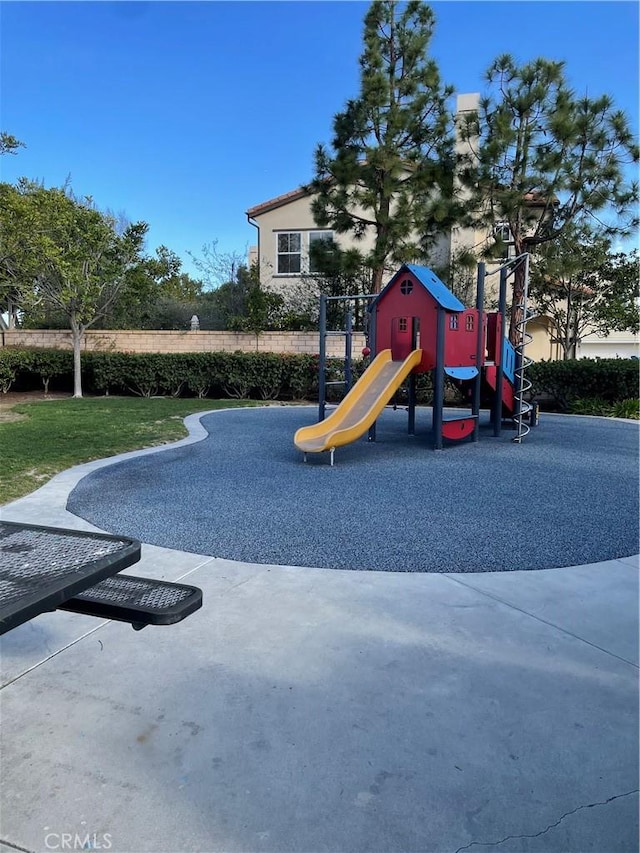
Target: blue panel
point(431, 283)
point(509, 360)
point(461, 372)
point(436, 288)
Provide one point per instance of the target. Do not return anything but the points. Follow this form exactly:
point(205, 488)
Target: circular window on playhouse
point(406, 286)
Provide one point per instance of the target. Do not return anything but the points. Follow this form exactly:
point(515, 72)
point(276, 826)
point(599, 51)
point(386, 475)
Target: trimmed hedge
point(270, 376)
point(564, 382)
point(265, 376)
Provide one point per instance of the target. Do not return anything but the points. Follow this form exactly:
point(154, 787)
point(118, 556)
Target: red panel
point(460, 343)
point(458, 429)
point(494, 337)
point(507, 388)
point(397, 304)
point(507, 394)
point(401, 337)
point(490, 375)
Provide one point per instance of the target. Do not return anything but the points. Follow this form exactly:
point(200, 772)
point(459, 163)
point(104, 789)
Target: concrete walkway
point(313, 710)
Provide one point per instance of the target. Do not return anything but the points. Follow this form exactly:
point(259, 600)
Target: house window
point(406, 286)
point(504, 239)
point(402, 324)
point(468, 324)
point(289, 252)
point(502, 232)
point(317, 237)
point(453, 321)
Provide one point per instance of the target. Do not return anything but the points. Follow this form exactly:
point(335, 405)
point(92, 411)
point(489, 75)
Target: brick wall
point(137, 341)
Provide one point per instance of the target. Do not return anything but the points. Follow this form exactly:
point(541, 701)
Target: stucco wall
point(296, 215)
point(615, 345)
point(138, 341)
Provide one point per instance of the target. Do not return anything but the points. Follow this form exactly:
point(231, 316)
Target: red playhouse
point(416, 310)
point(417, 325)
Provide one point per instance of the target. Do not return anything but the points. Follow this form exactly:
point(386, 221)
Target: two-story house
point(286, 231)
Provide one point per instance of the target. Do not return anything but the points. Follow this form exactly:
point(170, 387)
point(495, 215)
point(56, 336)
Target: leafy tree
point(230, 298)
point(11, 235)
point(391, 169)
point(542, 158)
point(155, 294)
point(584, 287)
point(17, 237)
point(166, 268)
point(617, 308)
point(76, 263)
point(9, 144)
point(460, 275)
point(340, 272)
point(262, 308)
point(218, 268)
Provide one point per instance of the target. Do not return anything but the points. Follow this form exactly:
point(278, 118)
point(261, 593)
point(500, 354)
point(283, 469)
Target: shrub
point(236, 379)
point(50, 364)
point(626, 409)
point(300, 377)
point(14, 362)
point(267, 370)
point(564, 382)
point(201, 372)
point(590, 406)
point(105, 372)
point(598, 384)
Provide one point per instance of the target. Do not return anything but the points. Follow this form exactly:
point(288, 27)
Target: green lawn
point(47, 437)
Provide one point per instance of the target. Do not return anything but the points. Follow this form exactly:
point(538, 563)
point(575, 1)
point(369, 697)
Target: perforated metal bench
point(51, 568)
point(139, 601)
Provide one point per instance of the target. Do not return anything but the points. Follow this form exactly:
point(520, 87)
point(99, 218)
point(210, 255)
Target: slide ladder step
point(139, 601)
point(458, 428)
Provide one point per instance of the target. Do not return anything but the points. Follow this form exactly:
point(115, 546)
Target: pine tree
point(541, 158)
point(391, 167)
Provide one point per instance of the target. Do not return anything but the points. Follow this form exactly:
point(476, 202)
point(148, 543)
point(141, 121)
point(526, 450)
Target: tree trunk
point(12, 314)
point(567, 326)
point(517, 297)
point(381, 251)
point(566, 342)
point(76, 337)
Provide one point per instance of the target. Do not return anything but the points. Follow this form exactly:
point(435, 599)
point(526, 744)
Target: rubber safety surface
point(567, 495)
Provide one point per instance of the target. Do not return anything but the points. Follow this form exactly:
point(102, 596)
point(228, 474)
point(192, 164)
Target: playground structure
point(417, 325)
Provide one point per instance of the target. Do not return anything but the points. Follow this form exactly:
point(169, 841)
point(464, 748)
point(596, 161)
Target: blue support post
point(497, 403)
point(411, 427)
point(438, 380)
point(348, 345)
point(480, 348)
point(322, 367)
point(371, 343)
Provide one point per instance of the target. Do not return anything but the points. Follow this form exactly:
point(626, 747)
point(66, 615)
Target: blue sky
point(185, 114)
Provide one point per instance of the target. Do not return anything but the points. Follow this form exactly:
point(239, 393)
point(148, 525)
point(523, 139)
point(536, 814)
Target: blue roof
point(432, 284)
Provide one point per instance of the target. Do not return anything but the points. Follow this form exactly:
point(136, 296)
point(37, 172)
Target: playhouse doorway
point(405, 337)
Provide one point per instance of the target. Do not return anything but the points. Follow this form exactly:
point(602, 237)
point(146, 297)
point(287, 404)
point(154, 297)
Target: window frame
point(310, 233)
point(305, 237)
point(288, 254)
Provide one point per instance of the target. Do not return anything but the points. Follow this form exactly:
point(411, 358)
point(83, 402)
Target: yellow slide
point(360, 408)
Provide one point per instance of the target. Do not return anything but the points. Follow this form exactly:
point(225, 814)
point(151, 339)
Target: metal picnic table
point(50, 568)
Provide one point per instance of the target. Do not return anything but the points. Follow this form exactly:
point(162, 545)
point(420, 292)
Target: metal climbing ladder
point(513, 357)
point(523, 409)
